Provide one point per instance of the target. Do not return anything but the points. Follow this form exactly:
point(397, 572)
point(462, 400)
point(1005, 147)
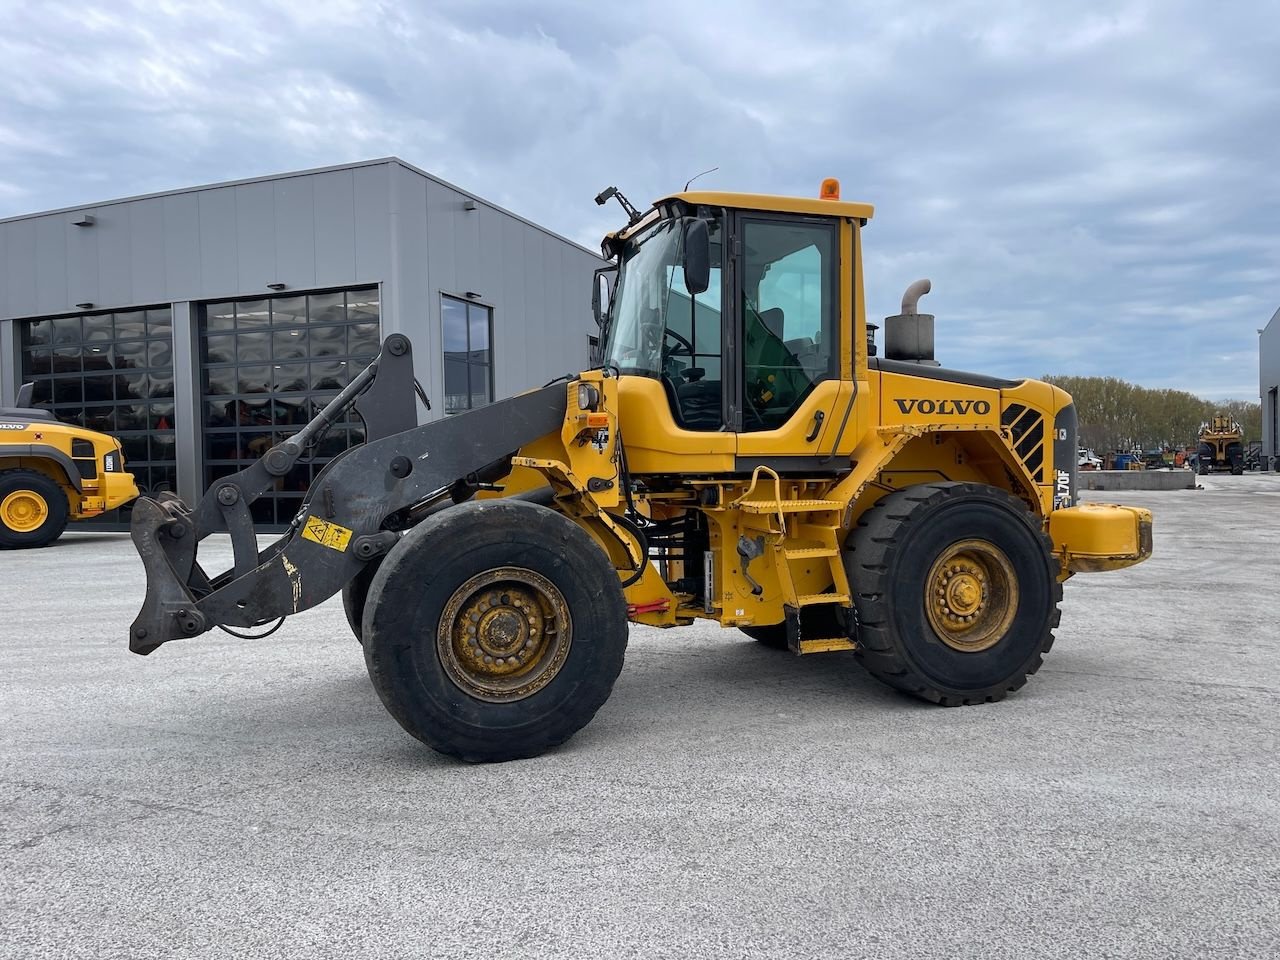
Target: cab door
point(788, 346)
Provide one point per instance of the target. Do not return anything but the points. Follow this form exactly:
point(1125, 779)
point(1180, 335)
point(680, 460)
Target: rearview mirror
point(697, 257)
point(601, 294)
point(25, 392)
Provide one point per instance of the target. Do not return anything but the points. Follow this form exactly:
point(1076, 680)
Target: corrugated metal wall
point(381, 222)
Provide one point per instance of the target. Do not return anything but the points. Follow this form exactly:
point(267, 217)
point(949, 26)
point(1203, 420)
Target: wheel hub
point(23, 511)
point(504, 634)
point(971, 595)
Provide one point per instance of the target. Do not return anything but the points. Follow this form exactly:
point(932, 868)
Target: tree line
point(1117, 415)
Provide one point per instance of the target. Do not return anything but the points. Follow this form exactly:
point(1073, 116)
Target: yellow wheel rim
point(971, 595)
point(504, 634)
point(23, 511)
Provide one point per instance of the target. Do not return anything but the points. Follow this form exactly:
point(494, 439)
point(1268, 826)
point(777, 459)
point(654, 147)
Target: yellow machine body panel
point(655, 444)
point(1093, 537)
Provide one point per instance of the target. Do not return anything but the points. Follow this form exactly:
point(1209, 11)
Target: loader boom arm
point(349, 517)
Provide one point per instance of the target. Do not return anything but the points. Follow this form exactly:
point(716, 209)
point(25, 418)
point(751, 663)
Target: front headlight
point(588, 396)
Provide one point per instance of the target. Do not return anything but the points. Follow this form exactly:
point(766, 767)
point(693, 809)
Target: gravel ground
point(224, 798)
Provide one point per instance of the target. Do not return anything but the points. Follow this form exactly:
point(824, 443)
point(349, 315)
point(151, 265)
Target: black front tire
point(354, 595)
point(421, 607)
point(898, 564)
point(33, 509)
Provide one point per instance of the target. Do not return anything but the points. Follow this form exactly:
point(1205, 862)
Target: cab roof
point(764, 201)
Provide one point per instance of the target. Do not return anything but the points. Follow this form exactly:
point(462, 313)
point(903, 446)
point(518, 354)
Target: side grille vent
point(1027, 428)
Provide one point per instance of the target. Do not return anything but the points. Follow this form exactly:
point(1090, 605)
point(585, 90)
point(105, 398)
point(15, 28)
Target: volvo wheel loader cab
point(53, 472)
point(740, 454)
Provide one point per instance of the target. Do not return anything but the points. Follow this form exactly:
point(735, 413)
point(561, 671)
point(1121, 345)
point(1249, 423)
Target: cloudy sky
point(1093, 187)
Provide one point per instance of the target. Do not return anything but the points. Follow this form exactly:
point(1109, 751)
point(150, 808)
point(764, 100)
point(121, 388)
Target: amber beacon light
point(830, 189)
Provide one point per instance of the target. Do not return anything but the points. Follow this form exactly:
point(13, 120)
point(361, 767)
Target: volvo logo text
point(944, 407)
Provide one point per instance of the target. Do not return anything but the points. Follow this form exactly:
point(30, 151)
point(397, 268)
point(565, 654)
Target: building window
point(468, 364)
point(111, 372)
point(267, 367)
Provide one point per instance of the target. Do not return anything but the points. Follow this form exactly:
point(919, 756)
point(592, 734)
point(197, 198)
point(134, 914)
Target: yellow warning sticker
point(326, 534)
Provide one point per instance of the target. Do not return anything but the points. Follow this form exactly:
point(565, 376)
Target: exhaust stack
point(909, 335)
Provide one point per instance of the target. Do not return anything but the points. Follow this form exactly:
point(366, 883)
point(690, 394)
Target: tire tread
point(875, 541)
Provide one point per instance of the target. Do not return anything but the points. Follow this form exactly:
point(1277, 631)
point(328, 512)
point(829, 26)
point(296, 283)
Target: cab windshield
point(656, 328)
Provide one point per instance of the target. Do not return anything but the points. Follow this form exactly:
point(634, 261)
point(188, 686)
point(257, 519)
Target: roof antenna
point(702, 174)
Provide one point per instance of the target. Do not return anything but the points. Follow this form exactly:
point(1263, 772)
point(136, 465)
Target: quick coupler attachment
point(163, 536)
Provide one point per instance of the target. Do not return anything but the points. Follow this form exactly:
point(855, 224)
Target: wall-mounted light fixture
point(84, 306)
point(275, 286)
point(472, 295)
point(85, 220)
point(468, 204)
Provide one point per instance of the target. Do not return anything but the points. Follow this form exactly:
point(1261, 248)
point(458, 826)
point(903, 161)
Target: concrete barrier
point(1137, 480)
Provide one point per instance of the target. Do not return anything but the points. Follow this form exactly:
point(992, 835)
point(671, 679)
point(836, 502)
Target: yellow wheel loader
point(740, 453)
point(52, 472)
point(1220, 446)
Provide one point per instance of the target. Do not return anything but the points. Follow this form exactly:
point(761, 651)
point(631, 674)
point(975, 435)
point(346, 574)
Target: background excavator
point(739, 454)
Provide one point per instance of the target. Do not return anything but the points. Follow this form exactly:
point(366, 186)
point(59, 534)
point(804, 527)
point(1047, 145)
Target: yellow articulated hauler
point(52, 472)
point(740, 452)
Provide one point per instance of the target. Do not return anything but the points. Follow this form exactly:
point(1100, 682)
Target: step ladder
point(816, 523)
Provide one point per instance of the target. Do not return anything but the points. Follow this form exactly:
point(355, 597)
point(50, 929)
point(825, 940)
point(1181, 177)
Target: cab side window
point(790, 310)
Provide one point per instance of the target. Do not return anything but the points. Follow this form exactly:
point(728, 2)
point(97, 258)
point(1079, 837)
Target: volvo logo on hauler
point(944, 407)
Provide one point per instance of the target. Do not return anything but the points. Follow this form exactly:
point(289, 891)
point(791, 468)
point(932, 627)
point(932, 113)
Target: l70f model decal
point(1062, 491)
point(944, 407)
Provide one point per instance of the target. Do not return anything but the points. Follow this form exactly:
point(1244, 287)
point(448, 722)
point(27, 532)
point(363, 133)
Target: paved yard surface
point(223, 798)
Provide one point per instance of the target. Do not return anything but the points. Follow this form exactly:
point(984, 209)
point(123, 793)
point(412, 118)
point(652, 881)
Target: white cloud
point(1089, 186)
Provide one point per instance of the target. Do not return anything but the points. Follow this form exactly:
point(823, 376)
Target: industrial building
point(202, 325)
point(1269, 389)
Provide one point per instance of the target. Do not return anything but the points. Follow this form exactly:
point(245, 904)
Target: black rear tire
point(1005, 584)
point(491, 566)
point(33, 509)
